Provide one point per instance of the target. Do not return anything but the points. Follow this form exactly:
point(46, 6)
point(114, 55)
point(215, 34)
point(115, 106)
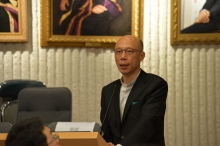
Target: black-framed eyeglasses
point(55, 137)
point(127, 51)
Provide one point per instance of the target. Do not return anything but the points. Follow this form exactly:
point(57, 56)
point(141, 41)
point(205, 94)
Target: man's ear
point(142, 56)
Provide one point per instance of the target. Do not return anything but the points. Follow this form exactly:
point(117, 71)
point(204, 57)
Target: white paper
point(75, 126)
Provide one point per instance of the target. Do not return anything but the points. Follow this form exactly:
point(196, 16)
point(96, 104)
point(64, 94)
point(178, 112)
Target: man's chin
point(124, 72)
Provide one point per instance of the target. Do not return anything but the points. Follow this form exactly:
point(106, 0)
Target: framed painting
point(14, 22)
point(89, 23)
point(187, 25)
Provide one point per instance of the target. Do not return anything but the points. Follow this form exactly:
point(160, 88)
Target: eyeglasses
point(127, 51)
point(55, 137)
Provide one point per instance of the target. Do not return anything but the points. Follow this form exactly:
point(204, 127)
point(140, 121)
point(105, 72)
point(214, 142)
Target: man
point(31, 132)
point(208, 20)
point(88, 17)
point(133, 107)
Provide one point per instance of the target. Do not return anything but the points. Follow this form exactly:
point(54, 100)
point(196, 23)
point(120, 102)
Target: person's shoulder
point(112, 84)
point(155, 81)
point(154, 78)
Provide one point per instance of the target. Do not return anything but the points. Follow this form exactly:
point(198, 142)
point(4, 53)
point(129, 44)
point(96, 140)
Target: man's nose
point(123, 54)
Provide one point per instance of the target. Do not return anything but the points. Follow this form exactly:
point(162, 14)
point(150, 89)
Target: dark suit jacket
point(143, 118)
point(213, 6)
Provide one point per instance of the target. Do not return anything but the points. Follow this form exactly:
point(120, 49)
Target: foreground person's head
point(31, 132)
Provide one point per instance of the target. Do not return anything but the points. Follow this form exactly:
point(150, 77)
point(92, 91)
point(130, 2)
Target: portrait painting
point(89, 22)
point(195, 21)
point(13, 16)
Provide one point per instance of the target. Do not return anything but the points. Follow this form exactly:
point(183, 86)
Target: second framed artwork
point(89, 23)
point(186, 28)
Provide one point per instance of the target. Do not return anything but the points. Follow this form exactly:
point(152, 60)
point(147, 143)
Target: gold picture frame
point(48, 38)
point(190, 38)
point(22, 24)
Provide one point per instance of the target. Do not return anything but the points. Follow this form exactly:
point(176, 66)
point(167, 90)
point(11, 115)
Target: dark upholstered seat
point(51, 104)
point(5, 127)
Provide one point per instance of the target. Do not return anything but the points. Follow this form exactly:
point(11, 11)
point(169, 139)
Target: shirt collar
point(131, 83)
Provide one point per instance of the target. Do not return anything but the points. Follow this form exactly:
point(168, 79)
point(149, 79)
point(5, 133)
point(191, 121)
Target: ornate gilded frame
point(193, 38)
point(48, 39)
point(22, 35)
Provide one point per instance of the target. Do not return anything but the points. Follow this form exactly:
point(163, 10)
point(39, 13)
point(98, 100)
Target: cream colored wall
point(192, 72)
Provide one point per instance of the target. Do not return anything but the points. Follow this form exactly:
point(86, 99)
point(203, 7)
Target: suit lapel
point(116, 108)
point(135, 91)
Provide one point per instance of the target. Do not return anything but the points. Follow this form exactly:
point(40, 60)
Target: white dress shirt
point(124, 93)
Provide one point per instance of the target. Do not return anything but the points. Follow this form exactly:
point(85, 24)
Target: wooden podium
point(73, 139)
point(2, 139)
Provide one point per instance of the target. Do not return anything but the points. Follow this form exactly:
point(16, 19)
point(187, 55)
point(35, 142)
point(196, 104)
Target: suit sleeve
point(108, 136)
point(152, 114)
point(208, 4)
point(213, 6)
point(215, 10)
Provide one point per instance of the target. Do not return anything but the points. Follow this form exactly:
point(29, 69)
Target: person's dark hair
point(28, 132)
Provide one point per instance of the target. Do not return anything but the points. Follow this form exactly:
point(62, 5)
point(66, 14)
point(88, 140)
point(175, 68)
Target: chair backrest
point(5, 127)
point(11, 88)
point(9, 91)
point(51, 104)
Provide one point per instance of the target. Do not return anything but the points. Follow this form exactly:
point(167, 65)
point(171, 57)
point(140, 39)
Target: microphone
point(100, 129)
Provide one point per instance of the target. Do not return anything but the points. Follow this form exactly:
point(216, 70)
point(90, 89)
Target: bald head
point(131, 39)
point(128, 56)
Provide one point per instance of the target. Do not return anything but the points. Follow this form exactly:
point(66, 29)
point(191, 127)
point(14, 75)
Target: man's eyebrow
point(125, 48)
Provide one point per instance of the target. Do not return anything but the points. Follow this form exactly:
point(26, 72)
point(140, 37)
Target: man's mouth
point(123, 66)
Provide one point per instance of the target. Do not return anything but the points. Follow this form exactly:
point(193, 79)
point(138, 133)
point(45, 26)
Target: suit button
point(122, 137)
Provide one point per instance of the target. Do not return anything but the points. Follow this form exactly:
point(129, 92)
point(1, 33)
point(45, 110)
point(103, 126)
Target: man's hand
point(110, 144)
point(98, 9)
point(203, 17)
point(64, 4)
